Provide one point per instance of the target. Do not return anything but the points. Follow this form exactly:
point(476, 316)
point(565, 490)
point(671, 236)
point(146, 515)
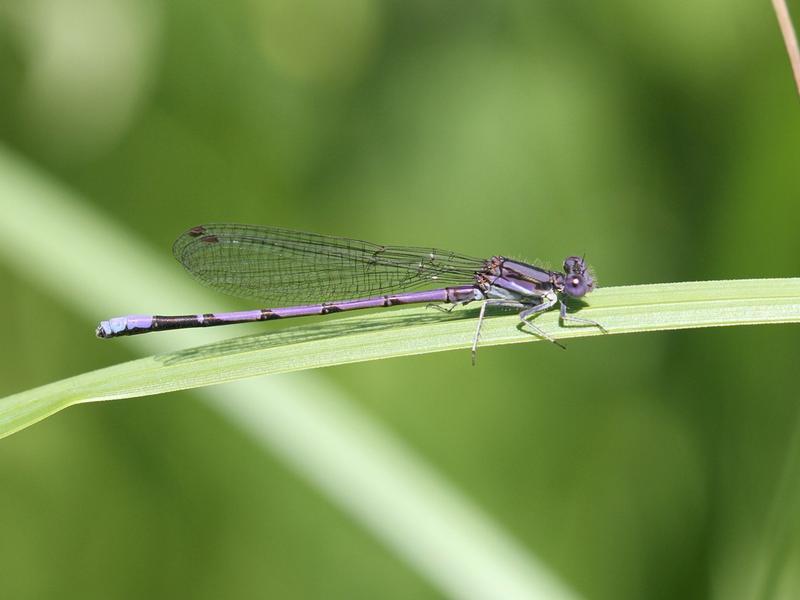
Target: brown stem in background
point(789, 38)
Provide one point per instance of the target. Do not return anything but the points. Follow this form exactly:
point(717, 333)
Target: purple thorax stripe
point(518, 269)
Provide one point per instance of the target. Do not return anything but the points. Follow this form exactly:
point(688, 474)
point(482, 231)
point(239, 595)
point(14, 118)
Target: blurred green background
point(661, 139)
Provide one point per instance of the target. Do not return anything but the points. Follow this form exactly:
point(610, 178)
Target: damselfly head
point(577, 281)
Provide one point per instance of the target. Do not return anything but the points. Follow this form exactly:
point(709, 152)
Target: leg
point(441, 308)
point(507, 303)
point(567, 317)
point(478, 334)
point(528, 313)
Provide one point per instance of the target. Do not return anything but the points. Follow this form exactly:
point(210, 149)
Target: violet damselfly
point(319, 274)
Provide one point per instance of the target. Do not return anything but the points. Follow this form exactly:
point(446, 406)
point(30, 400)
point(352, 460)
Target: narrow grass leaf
point(404, 332)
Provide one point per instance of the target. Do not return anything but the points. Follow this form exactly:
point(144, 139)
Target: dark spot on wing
point(210, 239)
point(195, 231)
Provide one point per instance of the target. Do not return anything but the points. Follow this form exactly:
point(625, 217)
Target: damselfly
point(319, 274)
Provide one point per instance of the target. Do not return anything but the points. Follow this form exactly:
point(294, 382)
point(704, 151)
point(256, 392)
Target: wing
point(280, 265)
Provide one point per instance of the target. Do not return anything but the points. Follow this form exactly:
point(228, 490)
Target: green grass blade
point(405, 332)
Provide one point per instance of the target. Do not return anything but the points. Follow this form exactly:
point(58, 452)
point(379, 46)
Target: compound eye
point(574, 264)
point(575, 285)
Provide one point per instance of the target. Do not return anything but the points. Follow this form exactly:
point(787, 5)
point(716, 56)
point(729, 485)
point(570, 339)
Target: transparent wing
point(280, 265)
